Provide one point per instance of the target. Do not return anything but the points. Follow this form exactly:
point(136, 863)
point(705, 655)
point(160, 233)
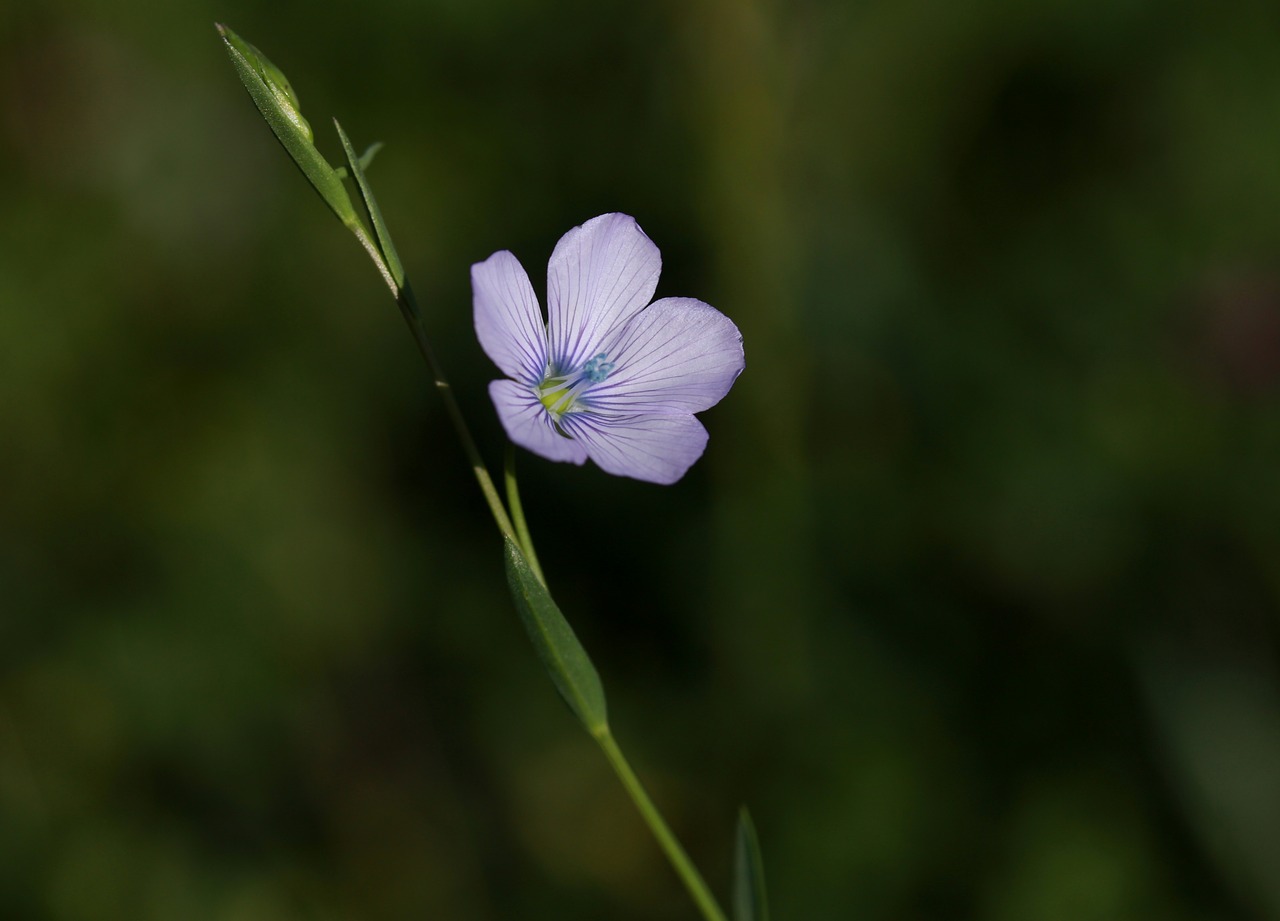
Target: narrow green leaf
point(276, 100)
point(749, 902)
point(365, 159)
point(371, 206)
point(562, 655)
point(369, 153)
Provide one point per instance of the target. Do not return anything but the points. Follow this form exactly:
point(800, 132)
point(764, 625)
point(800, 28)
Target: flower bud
point(280, 87)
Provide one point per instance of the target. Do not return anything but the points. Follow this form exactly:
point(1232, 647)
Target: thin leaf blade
point(749, 901)
point(357, 165)
point(563, 656)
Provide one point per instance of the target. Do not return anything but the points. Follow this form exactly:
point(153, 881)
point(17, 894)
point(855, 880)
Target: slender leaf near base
point(749, 902)
point(562, 655)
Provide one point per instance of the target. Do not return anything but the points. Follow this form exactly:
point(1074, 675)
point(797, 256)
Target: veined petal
point(507, 317)
point(600, 275)
point(529, 424)
point(679, 355)
point(655, 447)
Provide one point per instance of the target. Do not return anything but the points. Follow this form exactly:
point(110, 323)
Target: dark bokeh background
point(973, 598)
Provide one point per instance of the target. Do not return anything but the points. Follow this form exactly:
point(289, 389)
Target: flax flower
point(609, 376)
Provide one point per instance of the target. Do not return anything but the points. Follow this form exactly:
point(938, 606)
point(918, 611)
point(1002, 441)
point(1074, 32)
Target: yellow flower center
point(556, 395)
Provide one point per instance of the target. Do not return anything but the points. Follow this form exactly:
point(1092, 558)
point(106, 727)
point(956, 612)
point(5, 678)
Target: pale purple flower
point(609, 376)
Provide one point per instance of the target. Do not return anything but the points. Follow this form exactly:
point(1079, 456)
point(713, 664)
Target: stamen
point(560, 394)
point(598, 368)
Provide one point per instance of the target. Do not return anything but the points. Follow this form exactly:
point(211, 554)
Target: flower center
point(556, 395)
point(559, 393)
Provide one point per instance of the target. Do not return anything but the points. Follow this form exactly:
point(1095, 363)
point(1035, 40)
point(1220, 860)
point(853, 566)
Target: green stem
point(517, 515)
point(680, 861)
point(413, 316)
point(375, 254)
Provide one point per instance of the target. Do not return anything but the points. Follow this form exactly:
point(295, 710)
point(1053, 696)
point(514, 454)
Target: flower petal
point(599, 276)
point(679, 355)
point(529, 424)
point(507, 317)
point(655, 447)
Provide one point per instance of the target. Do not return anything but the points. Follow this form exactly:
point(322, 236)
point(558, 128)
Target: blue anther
point(598, 368)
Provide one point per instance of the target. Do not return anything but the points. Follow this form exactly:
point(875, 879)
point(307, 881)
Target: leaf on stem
point(276, 100)
point(365, 159)
point(385, 245)
point(556, 644)
point(749, 903)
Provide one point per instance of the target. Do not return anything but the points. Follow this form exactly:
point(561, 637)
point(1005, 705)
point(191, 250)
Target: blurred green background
point(973, 598)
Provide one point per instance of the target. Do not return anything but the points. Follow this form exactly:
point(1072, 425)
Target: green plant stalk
point(524, 538)
point(679, 860)
point(370, 247)
point(413, 317)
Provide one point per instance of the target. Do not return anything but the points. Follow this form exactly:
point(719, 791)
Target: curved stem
point(680, 861)
point(517, 514)
point(413, 317)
